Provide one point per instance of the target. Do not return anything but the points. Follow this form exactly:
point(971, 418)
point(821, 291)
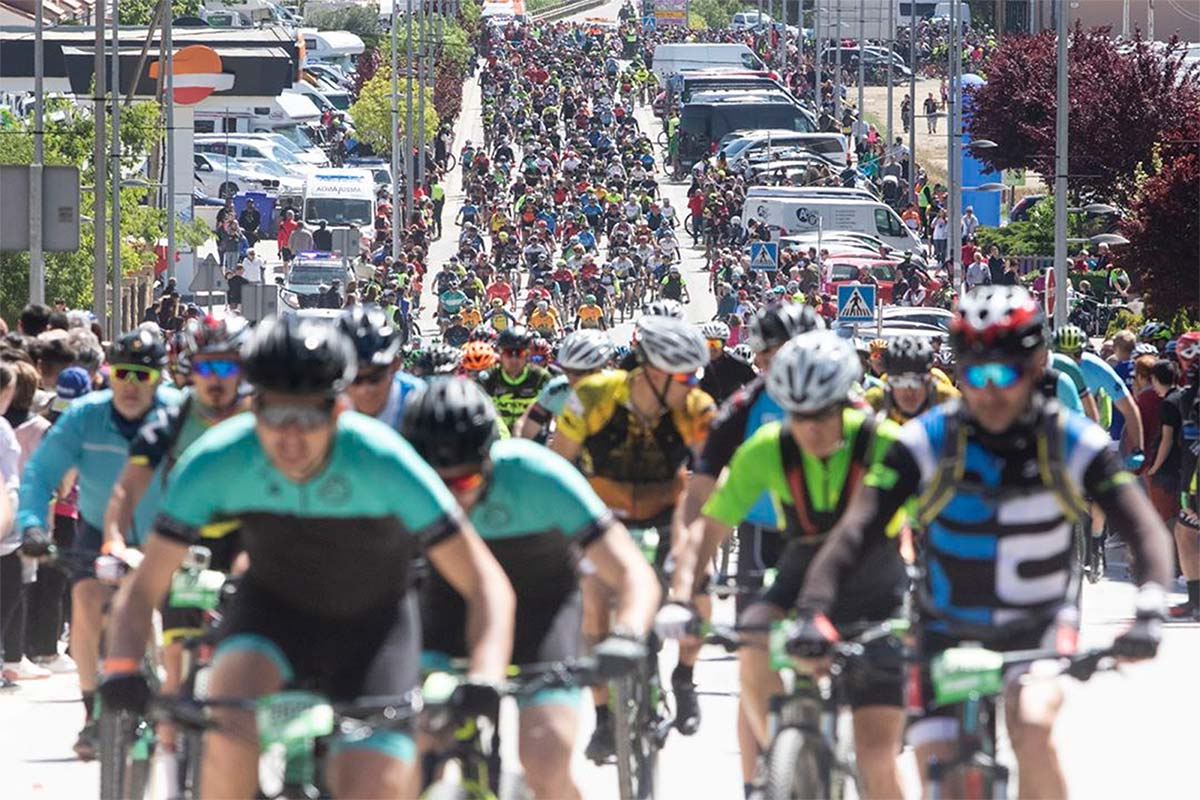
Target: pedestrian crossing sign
point(764, 255)
point(856, 302)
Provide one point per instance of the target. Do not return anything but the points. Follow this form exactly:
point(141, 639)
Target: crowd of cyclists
point(519, 490)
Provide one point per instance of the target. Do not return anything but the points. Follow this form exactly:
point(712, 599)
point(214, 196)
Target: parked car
point(1020, 212)
point(222, 176)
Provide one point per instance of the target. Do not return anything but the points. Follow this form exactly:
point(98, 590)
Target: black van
point(701, 125)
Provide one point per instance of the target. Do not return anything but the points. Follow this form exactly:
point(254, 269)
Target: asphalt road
point(1125, 734)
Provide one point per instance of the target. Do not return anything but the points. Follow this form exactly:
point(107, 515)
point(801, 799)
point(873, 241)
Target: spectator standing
point(322, 237)
point(284, 234)
point(255, 266)
point(229, 243)
point(941, 235)
point(301, 239)
point(906, 108)
point(1160, 486)
point(250, 219)
point(237, 281)
point(931, 114)
point(970, 223)
point(978, 273)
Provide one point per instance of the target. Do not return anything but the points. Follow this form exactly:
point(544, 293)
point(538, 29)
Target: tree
point(1124, 100)
point(138, 12)
point(363, 21)
point(372, 112)
point(1163, 229)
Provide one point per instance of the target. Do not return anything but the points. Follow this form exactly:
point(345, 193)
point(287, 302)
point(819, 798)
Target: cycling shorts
point(758, 550)
point(548, 629)
point(86, 546)
point(376, 654)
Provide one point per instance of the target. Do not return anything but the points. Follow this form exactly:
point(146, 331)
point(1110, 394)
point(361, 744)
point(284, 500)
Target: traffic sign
point(764, 255)
point(856, 302)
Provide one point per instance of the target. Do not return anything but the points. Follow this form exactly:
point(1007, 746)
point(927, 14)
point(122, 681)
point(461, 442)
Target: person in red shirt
point(285, 232)
point(500, 289)
point(969, 250)
point(696, 207)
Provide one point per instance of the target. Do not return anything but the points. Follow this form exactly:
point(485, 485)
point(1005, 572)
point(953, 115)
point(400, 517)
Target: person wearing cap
point(92, 436)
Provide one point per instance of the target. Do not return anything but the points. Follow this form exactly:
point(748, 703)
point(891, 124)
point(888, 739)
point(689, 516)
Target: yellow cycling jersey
point(544, 321)
point(880, 399)
point(590, 316)
point(637, 466)
point(471, 317)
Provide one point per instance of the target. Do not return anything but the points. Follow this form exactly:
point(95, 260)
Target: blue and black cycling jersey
point(335, 546)
point(998, 512)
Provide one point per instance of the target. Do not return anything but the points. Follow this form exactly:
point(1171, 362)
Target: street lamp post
point(1061, 166)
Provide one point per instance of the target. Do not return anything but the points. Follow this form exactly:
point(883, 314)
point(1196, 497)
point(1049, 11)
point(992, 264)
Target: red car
point(846, 270)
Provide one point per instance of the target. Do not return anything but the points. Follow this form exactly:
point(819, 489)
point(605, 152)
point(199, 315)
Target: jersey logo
point(334, 490)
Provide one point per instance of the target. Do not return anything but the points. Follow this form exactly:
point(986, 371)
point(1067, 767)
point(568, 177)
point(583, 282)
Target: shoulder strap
point(793, 471)
point(949, 470)
point(1054, 473)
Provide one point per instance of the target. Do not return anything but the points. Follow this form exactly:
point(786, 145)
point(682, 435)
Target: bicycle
point(809, 756)
point(1090, 551)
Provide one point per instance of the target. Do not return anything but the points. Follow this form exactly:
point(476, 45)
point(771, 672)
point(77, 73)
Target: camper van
point(790, 215)
point(340, 48)
point(670, 59)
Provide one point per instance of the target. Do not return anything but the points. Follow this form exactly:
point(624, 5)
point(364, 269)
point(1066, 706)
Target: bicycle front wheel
point(796, 767)
point(124, 756)
point(636, 748)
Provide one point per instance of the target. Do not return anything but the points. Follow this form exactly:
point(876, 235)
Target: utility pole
point(422, 78)
point(837, 69)
point(409, 175)
point(100, 179)
point(396, 160)
point(169, 82)
point(862, 52)
point(117, 317)
point(891, 55)
point(912, 99)
point(1061, 166)
point(818, 53)
point(37, 265)
point(955, 126)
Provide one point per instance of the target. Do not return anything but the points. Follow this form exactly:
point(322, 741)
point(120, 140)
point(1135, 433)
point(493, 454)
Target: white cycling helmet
point(1144, 349)
point(585, 349)
point(813, 372)
point(671, 345)
point(744, 353)
point(715, 330)
point(665, 308)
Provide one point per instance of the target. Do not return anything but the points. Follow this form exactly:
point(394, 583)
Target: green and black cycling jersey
point(812, 495)
point(536, 515)
point(512, 396)
point(338, 545)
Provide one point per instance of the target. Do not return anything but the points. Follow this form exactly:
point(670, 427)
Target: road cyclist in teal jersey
point(92, 437)
point(324, 605)
point(538, 516)
point(209, 361)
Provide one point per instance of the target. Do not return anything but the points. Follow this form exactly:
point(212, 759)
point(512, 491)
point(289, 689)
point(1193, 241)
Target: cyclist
point(452, 426)
point(499, 317)
point(335, 619)
point(92, 437)
point(544, 320)
point(516, 385)
point(478, 358)
point(724, 374)
point(209, 358)
point(1003, 453)
point(590, 314)
point(380, 387)
point(635, 432)
point(813, 464)
point(760, 540)
point(909, 387)
point(581, 353)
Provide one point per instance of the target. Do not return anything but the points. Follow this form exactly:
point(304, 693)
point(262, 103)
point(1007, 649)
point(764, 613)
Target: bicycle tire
point(637, 752)
point(451, 162)
point(797, 768)
point(120, 777)
point(191, 750)
point(687, 226)
point(663, 139)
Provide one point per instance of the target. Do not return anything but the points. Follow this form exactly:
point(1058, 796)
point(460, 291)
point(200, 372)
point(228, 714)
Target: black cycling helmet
point(997, 322)
point(514, 337)
point(451, 422)
point(482, 333)
point(908, 355)
point(776, 323)
point(299, 356)
point(375, 338)
point(140, 347)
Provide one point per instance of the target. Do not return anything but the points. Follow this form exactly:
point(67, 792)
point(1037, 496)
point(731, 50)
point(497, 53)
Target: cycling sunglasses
point(134, 373)
point(464, 483)
point(1189, 352)
point(513, 352)
point(906, 381)
point(688, 378)
point(374, 378)
point(284, 415)
point(221, 368)
point(1001, 374)
point(716, 343)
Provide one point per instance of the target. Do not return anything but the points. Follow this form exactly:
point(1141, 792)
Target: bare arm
point(468, 566)
point(131, 486)
point(133, 607)
point(1089, 406)
point(620, 564)
point(686, 535)
point(567, 448)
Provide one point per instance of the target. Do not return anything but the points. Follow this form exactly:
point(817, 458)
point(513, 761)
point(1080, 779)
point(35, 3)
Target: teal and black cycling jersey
point(337, 545)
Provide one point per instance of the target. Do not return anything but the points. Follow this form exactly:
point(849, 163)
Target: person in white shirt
point(970, 223)
point(255, 266)
point(978, 272)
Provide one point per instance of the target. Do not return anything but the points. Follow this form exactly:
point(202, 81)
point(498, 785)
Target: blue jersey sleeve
point(1099, 375)
point(57, 453)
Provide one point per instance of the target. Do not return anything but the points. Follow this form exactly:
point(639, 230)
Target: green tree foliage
point(138, 12)
point(362, 21)
point(716, 13)
point(1163, 228)
point(69, 141)
point(372, 112)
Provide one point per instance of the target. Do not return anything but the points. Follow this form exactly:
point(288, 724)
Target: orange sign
point(197, 74)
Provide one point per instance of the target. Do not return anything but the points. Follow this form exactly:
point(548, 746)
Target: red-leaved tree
point(1163, 228)
point(1125, 98)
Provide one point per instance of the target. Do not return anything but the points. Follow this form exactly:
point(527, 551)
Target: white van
point(829, 192)
point(332, 47)
point(343, 198)
point(829, 145)
point(250, 149)
point(791, 215)
point(670, 59)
